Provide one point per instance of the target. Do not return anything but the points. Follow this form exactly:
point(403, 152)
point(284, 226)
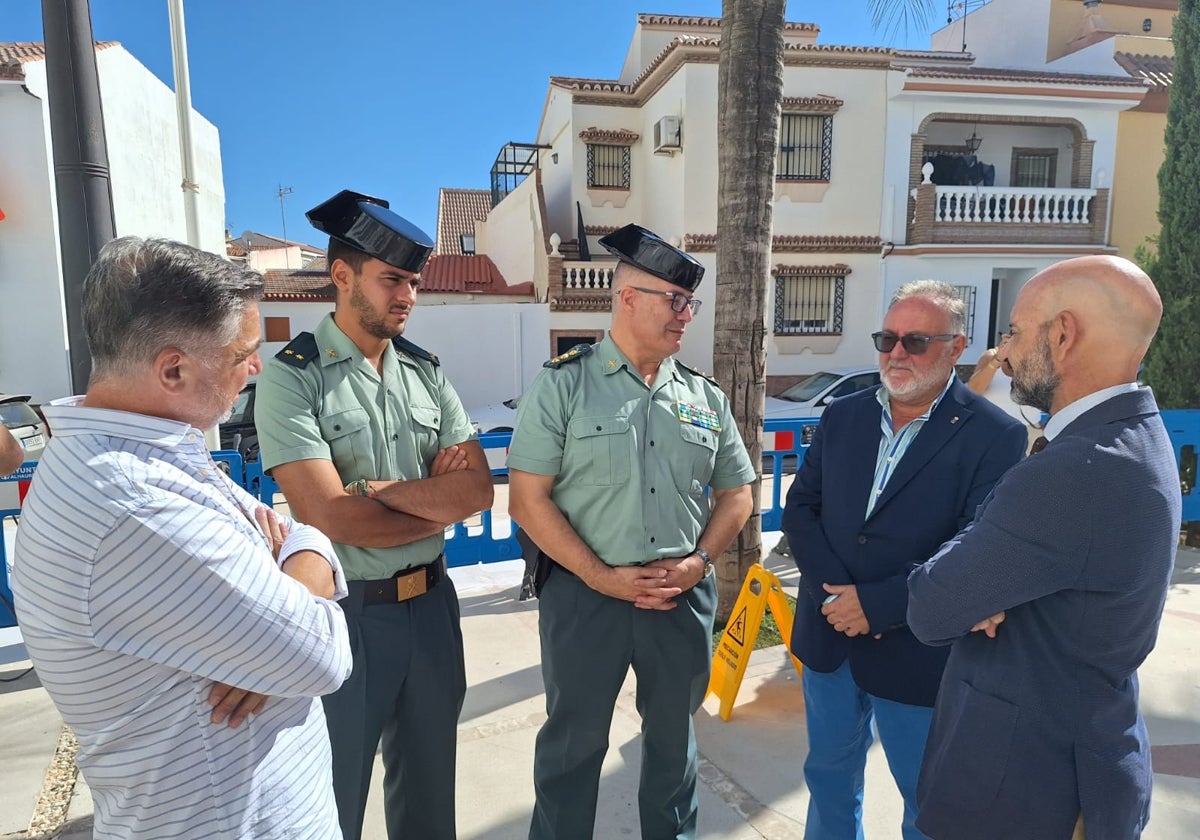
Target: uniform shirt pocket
point(698, 457)
point(348, 434)
point(604, 449)
point(426, 426)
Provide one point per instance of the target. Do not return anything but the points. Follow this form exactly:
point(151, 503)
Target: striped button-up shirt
point(893, 444)
point(140, 580)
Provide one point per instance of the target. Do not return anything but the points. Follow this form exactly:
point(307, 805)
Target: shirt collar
point(333, 345)
point(69, 416)
point(612, 360)
point(1073, 411)
point(884, 398)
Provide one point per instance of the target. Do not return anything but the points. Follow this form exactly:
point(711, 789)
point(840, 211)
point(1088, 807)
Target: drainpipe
point(81, 176)
point(183, 106)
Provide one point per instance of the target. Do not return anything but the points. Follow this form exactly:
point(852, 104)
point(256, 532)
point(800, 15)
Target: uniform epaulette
point(403, 344)
point(699, 373)
point(575, 353)
point(300, 351)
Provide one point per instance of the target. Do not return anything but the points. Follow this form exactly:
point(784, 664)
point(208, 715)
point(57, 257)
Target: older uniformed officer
point(370, 444)
point(613, 448)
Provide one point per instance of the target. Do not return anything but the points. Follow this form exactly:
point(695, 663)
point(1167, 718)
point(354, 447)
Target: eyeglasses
point(915, 344)
point(678, 302)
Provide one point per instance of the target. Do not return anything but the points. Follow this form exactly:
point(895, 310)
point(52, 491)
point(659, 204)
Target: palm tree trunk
point(749, 95)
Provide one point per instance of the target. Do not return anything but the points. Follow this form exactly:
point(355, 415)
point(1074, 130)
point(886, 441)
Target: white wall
point(490, 351)
point(33, 345)
point(145, 168)
point(1002, 33)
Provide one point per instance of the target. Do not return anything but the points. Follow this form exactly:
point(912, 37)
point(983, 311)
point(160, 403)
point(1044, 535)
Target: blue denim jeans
point(839, 718)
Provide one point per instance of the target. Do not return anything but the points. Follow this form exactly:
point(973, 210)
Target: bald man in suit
point(1052, 597)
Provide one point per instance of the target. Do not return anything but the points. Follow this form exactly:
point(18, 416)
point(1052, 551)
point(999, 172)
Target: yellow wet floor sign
point(760, 591)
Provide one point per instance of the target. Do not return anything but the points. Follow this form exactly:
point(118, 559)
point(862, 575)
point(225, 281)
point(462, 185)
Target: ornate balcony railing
point(1014, 205)
point(580, 276)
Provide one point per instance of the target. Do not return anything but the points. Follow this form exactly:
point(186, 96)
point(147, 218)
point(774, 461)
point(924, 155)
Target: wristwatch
point(708, 563)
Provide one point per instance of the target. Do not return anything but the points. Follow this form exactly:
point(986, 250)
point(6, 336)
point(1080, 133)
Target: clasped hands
point(653, 586)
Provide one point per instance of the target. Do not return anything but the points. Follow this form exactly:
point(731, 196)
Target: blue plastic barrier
point(477, 544)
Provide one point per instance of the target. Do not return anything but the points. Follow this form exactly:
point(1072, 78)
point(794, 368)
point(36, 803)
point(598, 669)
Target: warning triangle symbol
point(737, 628)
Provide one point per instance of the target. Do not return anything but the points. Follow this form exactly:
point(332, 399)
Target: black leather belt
point(405, 585)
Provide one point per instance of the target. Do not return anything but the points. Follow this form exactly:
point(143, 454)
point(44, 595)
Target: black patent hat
point(366, 223)
point(651, 253)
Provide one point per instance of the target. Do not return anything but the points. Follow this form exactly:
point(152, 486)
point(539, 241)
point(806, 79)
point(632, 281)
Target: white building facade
point(146, 173)
point(853, 219)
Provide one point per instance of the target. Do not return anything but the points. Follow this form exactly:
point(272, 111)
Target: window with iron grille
point(805, 147)
point(1034, 167)
point(967, 295)
point(809, 304)
point(607, 166)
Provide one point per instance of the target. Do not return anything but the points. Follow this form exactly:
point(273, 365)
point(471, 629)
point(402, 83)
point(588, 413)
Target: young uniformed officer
point(370, 444)
point(613, 448)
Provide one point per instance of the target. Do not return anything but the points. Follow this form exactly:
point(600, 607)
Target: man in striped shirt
point(182, 629)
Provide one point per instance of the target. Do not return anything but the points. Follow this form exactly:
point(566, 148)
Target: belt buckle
point(412, 584)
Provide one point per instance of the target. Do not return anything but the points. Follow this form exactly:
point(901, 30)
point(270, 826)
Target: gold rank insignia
point(698, 415)
point(330, 352)
point(575, 353)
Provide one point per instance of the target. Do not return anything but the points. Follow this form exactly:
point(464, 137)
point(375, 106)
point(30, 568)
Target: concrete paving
point(750, 766)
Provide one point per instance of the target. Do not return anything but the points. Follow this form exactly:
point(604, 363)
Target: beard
point(919, 382)
point(372, 322)
point(1035, 382)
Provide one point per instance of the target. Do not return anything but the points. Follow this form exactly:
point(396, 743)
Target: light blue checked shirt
point(892, 444)
point(140, 580)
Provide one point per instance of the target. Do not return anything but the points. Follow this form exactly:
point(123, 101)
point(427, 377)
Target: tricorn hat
point(366, 223)
point(651, 253)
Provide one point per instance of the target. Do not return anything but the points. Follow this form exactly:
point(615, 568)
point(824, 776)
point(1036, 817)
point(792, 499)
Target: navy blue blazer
point(964, 447)
point(1076, 545)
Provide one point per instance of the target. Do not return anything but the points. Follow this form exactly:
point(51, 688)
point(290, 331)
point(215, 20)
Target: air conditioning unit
point(668, 135)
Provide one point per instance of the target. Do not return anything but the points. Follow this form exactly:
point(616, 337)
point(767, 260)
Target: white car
point(499, 417)
point(24, 423)
point(808, 397)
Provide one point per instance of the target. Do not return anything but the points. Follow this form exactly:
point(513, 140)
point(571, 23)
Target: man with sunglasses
point(891, 474)
point(614, 447)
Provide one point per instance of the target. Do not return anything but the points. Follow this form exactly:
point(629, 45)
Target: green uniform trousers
point(588, 643)
point(407, 688)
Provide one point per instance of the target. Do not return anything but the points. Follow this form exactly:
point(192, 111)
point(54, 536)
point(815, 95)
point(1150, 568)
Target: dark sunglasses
point(914, 343)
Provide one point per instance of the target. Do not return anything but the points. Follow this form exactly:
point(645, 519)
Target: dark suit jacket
point(1076, 545)
point(964, 447)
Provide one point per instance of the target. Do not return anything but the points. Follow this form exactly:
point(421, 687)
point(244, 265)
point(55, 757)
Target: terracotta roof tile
point(445, 273)
point(713, 22)
point(1003, 74)
point(14, 54)
point(301, 285)
point(251, 241)
point(458, 211)
point(1158, 70)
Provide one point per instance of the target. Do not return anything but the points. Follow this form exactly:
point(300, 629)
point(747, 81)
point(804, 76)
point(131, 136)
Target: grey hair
point(941, 295)
point(143, 296)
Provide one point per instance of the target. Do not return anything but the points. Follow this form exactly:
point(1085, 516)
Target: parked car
point(498, 417)
point(238, 431)
point(808, 399)
point(809, 396)
point(25, 424)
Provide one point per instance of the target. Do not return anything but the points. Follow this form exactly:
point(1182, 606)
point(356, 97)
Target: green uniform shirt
point(337, 408)
point(630, 461)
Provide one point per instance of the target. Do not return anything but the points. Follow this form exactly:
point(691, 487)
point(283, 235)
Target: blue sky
point(394, 98)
